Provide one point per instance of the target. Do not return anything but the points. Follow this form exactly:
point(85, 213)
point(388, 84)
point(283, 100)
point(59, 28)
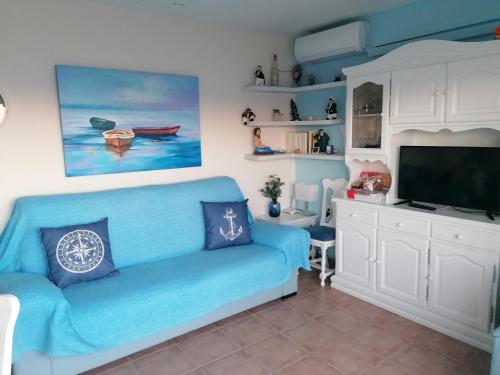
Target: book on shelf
point(303, 141)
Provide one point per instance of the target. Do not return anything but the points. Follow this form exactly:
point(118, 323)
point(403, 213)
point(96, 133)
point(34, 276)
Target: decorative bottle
point(275, 74)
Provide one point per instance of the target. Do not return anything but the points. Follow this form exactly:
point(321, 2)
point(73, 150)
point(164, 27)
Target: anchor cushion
point(226, 224)
point(78, 253)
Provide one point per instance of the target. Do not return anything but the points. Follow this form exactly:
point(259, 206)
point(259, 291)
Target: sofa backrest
point(146, 224)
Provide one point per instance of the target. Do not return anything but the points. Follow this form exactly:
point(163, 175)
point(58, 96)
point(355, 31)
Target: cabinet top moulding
point(293, 90)
point(263, 124)
point(294, 156)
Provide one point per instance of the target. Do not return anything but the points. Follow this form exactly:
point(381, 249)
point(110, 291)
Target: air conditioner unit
point(338, 41)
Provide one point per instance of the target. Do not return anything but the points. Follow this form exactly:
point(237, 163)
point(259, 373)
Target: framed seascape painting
point(116, 121)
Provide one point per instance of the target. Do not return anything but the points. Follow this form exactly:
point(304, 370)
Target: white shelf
point(294, 156)
point(293, 90)
point(263, 124)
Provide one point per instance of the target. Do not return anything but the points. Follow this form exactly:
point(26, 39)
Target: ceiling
point(288, 17)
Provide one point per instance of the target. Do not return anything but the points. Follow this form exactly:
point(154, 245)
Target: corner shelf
point(263, 124)
point(294, 156)
point(293, 90)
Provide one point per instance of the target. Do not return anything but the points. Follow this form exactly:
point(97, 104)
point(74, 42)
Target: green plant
point(272, 188)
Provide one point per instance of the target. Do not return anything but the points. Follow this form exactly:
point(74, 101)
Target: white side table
point(294, 220)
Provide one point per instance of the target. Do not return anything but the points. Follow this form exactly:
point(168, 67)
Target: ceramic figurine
point(297, 74)
point(338, 78)
point(260, 80)
point(321, 140)
point(311, 78)
point(294, 111)
point(247, 116)
point(331, 109)
point(275, 73)
point(259, 147)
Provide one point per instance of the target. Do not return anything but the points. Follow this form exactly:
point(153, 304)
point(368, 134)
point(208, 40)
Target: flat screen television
point(464, 177)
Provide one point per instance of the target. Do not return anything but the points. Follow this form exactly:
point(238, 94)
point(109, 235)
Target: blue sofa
point(167, 285)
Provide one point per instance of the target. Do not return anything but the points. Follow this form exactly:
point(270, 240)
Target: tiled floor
point(320, 331)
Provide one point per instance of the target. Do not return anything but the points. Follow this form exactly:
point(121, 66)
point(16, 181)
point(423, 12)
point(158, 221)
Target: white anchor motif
point(229, 215)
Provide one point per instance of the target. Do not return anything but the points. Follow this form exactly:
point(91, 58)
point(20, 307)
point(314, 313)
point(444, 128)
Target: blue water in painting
point(86, 153)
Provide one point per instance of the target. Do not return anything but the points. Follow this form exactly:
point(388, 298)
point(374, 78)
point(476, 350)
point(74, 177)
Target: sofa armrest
point(292, 241)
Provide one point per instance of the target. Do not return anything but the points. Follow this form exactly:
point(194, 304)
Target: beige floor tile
point(312, 305)
point(232, 319)
point(276, 352)
point(195, 333)
point(308, 285)
point(309, 365)
point(282, 317)
point(169, 361)
point(152, 349)
point(208, 347)
point(380, 341)
point(266, 306)
point(368, 311)
point(240, 363)
point(311, 335)
point(387, 368)
point(405, 327)
point(109, 366)
point(480, 366)
point(249, 331)
point(348, 356)
point(125, 369)
point(338, 297)
point(342, 321)
point(420, 360)
point(458, 351)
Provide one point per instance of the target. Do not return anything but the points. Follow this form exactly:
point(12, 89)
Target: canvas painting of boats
point(116, 121)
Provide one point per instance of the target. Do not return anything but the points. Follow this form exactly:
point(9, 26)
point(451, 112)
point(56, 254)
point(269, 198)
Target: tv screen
point(466, 177)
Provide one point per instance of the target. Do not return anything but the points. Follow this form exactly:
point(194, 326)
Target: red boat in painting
point(151, 132)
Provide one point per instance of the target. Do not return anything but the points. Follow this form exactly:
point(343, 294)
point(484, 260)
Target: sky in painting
point(125, 90)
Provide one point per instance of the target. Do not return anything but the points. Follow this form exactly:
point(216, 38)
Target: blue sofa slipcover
point(167, 283)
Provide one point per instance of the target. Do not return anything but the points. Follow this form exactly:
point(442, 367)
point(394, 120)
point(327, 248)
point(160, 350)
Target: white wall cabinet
point(357, 264)
point(399, 259)
point(460, 284)
point(402, 266)
point(418, 95)
point(473, 92)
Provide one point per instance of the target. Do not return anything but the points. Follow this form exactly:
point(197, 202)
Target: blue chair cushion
point(78, 253)
point(321, 233)
point(226, 224)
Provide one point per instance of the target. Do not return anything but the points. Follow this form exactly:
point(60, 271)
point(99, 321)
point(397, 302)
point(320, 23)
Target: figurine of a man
point(247, 116)
point(260, 80)
point(331, 109)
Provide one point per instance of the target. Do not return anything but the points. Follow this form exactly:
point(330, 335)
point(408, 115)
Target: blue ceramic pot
point(274, 208)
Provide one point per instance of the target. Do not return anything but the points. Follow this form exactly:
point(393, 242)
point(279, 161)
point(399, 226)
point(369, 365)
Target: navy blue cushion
point(321, 233)
point(78, 253)
point(226, 224)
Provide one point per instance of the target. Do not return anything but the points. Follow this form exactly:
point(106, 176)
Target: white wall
point(35, 35)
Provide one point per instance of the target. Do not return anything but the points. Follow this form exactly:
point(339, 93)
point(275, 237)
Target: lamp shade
point(305, 192)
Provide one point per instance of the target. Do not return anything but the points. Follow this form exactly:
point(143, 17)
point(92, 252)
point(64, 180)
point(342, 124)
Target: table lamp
point(306, 193)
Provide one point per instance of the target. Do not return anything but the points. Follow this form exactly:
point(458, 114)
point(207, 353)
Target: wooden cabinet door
point(460, 284)
point(418, 95)
point(355, 252)
point(474, 90)
point(402, 266)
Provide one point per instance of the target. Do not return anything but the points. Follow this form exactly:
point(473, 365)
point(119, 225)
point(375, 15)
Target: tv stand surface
point(415, 205)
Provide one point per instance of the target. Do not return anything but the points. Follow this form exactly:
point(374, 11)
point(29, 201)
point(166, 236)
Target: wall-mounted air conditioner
point(338, 41)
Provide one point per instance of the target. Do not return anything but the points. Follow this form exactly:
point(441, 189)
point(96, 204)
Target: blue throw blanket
point(165, 278)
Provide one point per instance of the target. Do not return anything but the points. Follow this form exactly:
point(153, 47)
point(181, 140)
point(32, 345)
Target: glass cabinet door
point(367, 109)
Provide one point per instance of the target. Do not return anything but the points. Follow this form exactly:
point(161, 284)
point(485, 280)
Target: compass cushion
point(226, 224)
point(78, 253)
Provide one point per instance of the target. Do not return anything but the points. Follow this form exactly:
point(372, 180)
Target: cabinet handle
point(429, 277)
point(399, 225)
point(354, 215)
point(378, 261)
point(459, 236)
point(371, 260)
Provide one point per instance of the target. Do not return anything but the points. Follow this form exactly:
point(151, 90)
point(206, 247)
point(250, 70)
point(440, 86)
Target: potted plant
point(272, 189)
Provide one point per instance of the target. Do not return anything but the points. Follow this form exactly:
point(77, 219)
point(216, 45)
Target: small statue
point(297, 74)
point(247, 116)
point(294, 112)
point(311, 78)
point(338, 78)
point(321, 140)
point(331, 109)
point(259, 147)
point(260, 80)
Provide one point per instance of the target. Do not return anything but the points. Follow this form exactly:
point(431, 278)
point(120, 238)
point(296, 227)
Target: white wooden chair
point(323, 235)
point(9, 310)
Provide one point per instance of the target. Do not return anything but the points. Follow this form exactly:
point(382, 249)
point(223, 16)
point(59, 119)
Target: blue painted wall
point(436, 19)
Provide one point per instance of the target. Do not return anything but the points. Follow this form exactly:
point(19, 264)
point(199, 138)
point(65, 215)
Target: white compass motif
point(80, 251)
